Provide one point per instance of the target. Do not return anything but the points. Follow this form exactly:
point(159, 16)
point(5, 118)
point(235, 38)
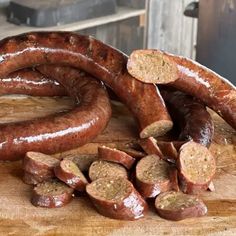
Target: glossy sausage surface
point(30, 82)
point(192, 118)
point(96, 58)
point(65, 130)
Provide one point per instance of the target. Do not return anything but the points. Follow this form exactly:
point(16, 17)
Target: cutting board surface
point(19, 217)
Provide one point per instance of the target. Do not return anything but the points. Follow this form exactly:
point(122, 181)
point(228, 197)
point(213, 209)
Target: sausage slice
point(149, 145)
point(116, 198)
point(178, 206)
point(115, 155)
point(83, 161)
point(40, 165)
point(51, 194)
point(196, 166)
point(101, 169)
point(68, 172)
point(33, 179)
point(152, 176)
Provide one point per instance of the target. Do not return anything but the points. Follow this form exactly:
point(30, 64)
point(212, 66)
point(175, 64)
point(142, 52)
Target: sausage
point(174, 179)
point(30, 82)
point(34, 179)
point(149, 145)
point(83, 161)
point(196, 167)
point(65, 130)
point(116, 198)
point(155, 66)
point(51, 194)
point(166, 150)
point(178, 206)
point(96, 58)
point(152, 176)
point(191, 117)
point(68, 172)
point(170, 149)
point(132, 148)
point(102, 169)
point(39, 164)
point(133, 152)
point(115, 155)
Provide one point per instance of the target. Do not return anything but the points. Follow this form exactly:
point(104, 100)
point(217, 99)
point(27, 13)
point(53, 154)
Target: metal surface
point(216, 42)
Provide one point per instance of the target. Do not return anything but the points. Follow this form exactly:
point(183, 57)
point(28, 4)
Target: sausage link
point(30, 82)
point(191, 117)
point(188, 76)
point(63, 131)
point(96, 58)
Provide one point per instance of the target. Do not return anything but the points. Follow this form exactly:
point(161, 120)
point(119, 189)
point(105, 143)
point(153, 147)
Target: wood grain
point(19, 217)
point(169, 29)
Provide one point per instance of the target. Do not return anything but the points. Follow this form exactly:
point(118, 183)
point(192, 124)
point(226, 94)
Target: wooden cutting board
point(19, 217)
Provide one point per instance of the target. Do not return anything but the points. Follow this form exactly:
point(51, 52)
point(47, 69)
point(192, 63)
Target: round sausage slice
point(101, 169)
point(69, 173)
point(196, 166)
point(40, 165)
point(116, 198)
point(115, 155)
point(178, 206)
point(51, 194)
point(83, 161)
point(152, 176)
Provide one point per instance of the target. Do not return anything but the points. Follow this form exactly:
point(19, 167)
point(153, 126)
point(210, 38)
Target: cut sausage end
point(42, 158)
point(196, 167)
point(51, 194)
point(110, 189)
point(196, 163)
point(116, 198)
point(178, 206)
point(39, 164)
point(102, 169)
point(152, 66)
point(156, 129)
point(152, 176)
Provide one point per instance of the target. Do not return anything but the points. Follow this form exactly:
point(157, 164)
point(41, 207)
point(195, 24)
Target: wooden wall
point(126, 35)
point(169, 29)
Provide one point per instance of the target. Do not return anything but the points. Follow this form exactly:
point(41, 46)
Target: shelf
point(9, 29)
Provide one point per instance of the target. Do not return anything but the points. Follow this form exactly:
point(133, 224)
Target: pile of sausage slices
point(160, 89)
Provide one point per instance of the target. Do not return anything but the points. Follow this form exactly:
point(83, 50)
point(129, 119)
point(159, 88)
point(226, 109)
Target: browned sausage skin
point(117, 198)
point(191, 117)
point(96, 58)
point(65, 130)
point(30, 82)
point(188, 76)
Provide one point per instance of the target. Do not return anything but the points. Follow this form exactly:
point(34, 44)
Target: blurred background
point(204, 30)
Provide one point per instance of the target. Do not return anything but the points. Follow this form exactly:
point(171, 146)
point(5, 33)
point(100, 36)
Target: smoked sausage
point(192, 118)
point(65, 130)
